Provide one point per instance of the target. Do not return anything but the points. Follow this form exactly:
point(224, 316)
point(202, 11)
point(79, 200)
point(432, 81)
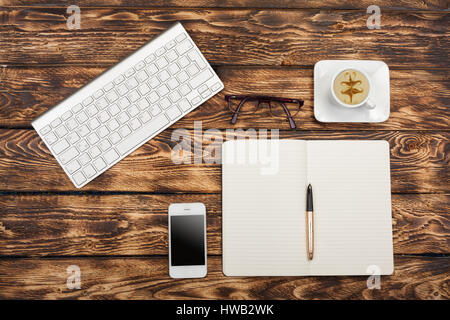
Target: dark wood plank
point(420, 99)
point(419, 162)
point(243, 37)
point(299, 4)
point(147, 278)
point(66, 225)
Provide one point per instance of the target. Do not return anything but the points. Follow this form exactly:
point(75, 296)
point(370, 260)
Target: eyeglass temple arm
point(291, 121)
point(235, 114)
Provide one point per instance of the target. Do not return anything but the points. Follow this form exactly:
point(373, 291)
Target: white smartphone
point(187, 240)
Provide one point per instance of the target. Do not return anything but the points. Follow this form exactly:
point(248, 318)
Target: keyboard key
point(77, 108)
point(79, 178)
point(51, 138)
point(162, 90)
point(103, 131)
point(165, 103)
point(113, 125)
point(122, 89)
point(108, 87)
point(83, 145)
point(173, 112)
point(124, 131)
point(183, 46)
point(143, 89)
point(183, 62)
point(91, 110)
point(87, 101)
point(93, 138)
point(153, 97)
point(123, 117)
point(180, 37)
point(60, 146)
point(115, 137)
point(172, 83)
point(95, 152)
point(104, 116)
point(196, 100)
point(174, 96)
point(184, 105)
point(171, 44)
point(150, 58)
point(111, 96)
point(124, 102)
point(66, 115)
point(154, 82)
point(206, 93)
point(215, 86)
point(152, 69)
point(142, 76)
point(182, 76)
point(93, 123)
point(184, 89)
point(142, 134)
point(164, 75)
point(82, 117)
point(73, 166)
point(134, 96)
point(139, 65)
point(161, 62)
point(202, 88)
point(56, 122)
point(119, 79)
point(89, 171)
point(160, 51)
point(172, 56)
point(155, 110)
point(195, 56)
point(105, 145)
point(114, 109)
point(83, 130)
point(144, 117)
point(99, 164)
point(143, 104)
point(132, 83)
point(133, 111)
point(111, 156)
point(84, 159)
point(61, 131)
point(192, 69)
point(135, 123)
point(71, 124)
point(200, 78)
point(98, 93)
point(46, 130)
point(68, 155)
point(129, 72)
point(73, 138)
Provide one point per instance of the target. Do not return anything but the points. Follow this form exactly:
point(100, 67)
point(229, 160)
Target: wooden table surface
point(115, 228)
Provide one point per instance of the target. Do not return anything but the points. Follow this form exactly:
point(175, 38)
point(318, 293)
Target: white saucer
point(327, 110)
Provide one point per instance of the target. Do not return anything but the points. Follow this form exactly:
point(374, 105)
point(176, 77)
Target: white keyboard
point(127, 105)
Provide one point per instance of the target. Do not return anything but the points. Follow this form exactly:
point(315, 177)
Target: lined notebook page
point(352, 206)
point(264, 211)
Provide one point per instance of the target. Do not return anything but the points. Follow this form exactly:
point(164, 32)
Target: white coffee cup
point(367, 103)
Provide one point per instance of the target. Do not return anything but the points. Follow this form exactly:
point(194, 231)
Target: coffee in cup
point(351, 87)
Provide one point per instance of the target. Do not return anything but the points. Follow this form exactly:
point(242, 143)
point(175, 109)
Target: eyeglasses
point(278, 107)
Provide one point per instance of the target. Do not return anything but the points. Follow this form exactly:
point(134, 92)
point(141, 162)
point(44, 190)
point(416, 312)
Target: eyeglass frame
point(263, 99)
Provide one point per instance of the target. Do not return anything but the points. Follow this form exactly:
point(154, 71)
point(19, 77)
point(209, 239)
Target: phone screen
point(187, 240)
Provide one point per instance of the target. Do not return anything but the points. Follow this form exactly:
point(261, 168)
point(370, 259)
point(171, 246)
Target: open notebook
point(264, 201)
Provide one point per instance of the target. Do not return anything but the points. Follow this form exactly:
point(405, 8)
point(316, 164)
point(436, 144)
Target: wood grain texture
point(147, 278)
point(130, 225)
point(243, 37)
point(419, 162)
point(25, 93)
point(299, 4)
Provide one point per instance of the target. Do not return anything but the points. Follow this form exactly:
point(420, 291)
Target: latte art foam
point(351, 87)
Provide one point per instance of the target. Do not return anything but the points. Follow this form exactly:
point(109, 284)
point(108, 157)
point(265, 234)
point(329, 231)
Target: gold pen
point(309, 223)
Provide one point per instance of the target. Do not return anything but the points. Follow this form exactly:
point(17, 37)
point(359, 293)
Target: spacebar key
point(141, 135)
